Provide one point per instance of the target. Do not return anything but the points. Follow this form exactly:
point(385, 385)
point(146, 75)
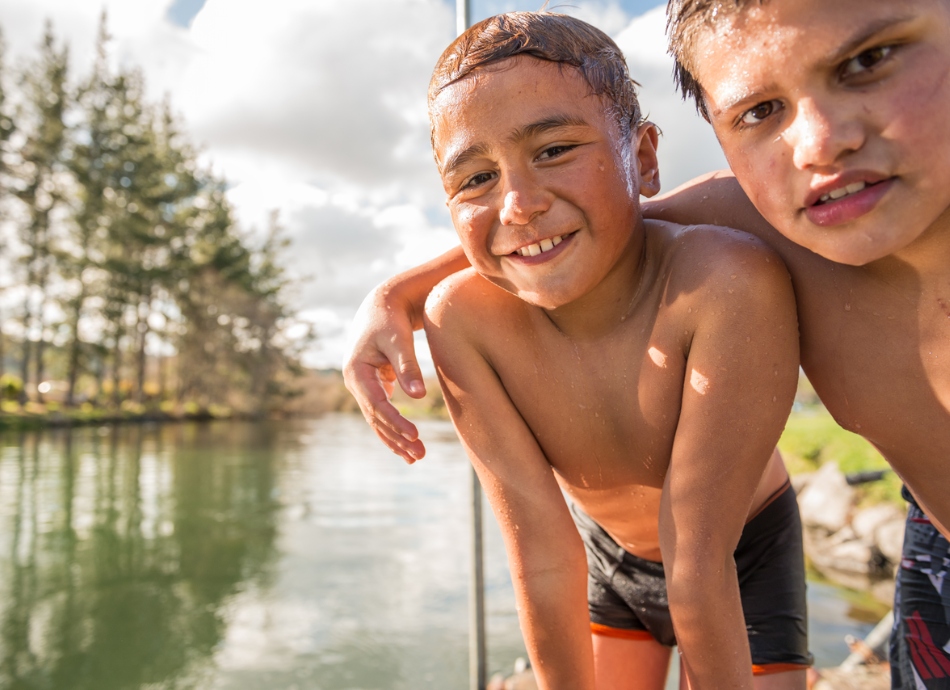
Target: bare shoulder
point(711, 260)
point(465, 304)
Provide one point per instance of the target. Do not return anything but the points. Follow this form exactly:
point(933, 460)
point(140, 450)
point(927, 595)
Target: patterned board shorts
point(920, 640)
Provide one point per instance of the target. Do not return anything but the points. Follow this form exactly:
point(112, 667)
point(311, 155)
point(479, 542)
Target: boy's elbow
point(693, 582)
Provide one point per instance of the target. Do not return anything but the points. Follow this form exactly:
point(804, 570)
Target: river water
point(293, 555)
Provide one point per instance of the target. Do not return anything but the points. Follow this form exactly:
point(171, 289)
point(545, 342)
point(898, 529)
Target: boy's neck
point(614, 299)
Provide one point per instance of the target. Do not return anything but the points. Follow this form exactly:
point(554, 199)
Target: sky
point(316, 109)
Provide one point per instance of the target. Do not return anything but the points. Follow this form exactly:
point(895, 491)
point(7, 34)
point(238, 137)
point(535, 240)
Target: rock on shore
point(860, 548)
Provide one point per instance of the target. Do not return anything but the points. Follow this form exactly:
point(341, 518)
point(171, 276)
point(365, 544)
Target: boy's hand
point(381, 354)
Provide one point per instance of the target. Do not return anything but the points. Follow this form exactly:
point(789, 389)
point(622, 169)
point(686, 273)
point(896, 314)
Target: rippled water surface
point(293, 555)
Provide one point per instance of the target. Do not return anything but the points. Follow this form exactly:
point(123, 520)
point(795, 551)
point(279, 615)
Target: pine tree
point(94, 162)
point(40, 187)
point(7, 131)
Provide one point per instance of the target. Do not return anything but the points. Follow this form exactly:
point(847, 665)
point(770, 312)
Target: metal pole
point(476, 634)
point(476, 590)
point(463, 16)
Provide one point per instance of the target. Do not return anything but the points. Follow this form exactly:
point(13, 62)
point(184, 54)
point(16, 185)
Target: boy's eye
point(865, 61)
point(476, 180)
point(756, 114)
point(554, 151)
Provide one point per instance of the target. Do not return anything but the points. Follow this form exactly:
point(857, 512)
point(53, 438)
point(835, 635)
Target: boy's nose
point(821, 134)
point(522, 202)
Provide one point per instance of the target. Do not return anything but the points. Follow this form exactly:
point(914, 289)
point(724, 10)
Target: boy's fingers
point(385, 414)
point(402, 350)
point(367, 384)
point(410, 377)
point(410, 451)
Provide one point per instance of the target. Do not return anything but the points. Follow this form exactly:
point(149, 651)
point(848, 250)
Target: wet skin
point(620, 358)
point(802, 107)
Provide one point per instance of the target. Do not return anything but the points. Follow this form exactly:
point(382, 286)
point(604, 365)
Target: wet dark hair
point(685, 19)
point(546, 36)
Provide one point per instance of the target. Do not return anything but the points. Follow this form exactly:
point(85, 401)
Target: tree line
point(128, 280)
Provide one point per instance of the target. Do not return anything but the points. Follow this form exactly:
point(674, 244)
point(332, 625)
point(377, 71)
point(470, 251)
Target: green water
point(294, 555)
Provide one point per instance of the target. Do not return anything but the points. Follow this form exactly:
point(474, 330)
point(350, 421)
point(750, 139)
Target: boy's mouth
point(841, 192)
point(827, 194)
point(847, 202)
point(543, 246)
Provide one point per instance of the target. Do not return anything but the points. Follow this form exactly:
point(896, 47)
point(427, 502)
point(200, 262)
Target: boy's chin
point(852, 248)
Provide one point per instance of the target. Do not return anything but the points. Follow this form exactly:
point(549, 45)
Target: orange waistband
point(768, 669)
point(622, 633)
point(627, 634)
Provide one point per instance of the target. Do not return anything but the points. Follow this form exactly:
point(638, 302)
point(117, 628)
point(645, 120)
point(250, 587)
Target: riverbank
point(318, 392)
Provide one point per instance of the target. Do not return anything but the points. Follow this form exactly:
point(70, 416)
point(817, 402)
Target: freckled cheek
point(756, 171)
point(476, 228)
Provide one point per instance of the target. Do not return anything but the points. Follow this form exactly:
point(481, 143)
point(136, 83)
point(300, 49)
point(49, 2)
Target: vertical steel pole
point(463, 16)
point(476, 591)
point(476, 636)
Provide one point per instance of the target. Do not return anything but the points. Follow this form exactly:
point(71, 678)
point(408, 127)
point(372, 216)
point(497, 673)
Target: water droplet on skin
point(847, 306)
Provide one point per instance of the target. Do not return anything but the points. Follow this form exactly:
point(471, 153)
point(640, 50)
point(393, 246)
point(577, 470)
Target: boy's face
point(542, 194)
point(833, 116)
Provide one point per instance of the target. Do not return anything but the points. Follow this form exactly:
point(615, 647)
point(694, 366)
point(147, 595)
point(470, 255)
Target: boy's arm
point(545, 553)
point(711, 199)
point(383, 352)
point(740, 379)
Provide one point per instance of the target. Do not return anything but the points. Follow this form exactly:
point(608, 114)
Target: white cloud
point(316, 108)
point(688, 146)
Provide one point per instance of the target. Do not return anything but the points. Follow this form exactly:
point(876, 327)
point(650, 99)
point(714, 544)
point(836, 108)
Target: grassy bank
point(317, 392)
point(812, 438)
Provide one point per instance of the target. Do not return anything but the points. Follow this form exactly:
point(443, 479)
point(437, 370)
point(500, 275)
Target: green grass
point(812, 438)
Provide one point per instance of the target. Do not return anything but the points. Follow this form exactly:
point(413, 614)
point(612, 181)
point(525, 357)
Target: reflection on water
point(245, 556)
point(118, 549)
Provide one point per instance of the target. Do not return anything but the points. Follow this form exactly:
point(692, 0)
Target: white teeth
point(855, 187)
point(843, 191)
point(540, 247)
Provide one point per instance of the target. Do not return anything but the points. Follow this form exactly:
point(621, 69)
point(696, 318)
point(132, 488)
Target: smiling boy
point(643, 368)
point(832, 116)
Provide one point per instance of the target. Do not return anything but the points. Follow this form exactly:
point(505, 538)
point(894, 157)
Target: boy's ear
point(645, 143)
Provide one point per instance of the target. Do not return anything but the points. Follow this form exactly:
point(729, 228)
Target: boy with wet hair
point(832, 118)
point(643, 368)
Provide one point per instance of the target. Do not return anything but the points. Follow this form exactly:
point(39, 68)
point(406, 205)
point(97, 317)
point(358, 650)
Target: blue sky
point(181, 12)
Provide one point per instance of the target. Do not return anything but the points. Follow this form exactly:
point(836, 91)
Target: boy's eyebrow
point(520, 134)
point(463, 157)
point(861, 36)
point(548, 123)
point(866, 32)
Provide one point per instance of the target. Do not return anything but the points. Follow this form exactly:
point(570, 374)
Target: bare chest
point(880, 360)
point(603, 413)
